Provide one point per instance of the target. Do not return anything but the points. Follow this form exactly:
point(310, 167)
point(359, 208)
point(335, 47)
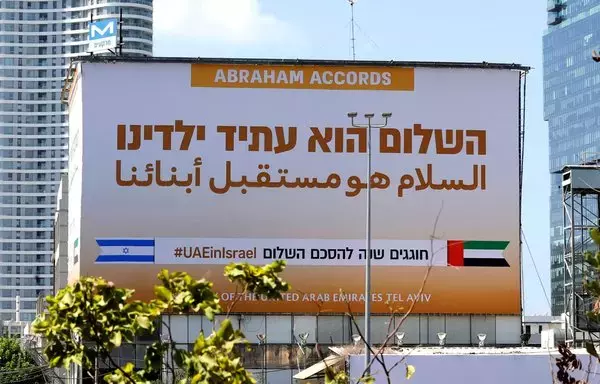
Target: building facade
point(571, 107)
point(37, 41)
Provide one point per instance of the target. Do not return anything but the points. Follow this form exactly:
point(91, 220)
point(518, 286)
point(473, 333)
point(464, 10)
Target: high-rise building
point(38, 38)
point(571, 107)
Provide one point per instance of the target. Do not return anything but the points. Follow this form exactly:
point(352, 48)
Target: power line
point(373, 43)
point(536, 269)
point(23, 370)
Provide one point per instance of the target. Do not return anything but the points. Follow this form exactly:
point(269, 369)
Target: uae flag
point(467, 253)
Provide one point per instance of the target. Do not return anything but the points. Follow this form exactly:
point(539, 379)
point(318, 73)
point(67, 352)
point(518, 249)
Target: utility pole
point(368, 126)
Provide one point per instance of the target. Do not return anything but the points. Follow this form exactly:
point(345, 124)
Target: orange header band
point(303, 77)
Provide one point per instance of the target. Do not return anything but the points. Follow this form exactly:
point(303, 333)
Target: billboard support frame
point(522, 109)
point(581, 212)
point(320, 62)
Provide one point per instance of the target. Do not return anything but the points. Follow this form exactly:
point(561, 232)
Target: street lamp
point(481, 337)
point(369, 125)
point(262, 340)
point(442, 338)
point(399, 338)
point(303, 336)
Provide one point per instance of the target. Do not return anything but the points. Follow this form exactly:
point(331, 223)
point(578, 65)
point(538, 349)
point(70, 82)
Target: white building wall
point(61, 224)
point(518, 368)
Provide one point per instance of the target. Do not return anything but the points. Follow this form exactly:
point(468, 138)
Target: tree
point(85, 321)
point(17, 365)
point(568, 361)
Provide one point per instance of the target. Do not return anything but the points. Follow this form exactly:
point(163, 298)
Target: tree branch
point(367, 345)
point(410, 309)
point(170, 366)
point(238, 297)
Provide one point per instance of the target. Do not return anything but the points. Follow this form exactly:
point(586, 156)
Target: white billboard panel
point(189, 166)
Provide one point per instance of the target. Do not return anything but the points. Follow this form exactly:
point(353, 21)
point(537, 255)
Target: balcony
point(555, 19)
point(556, 5)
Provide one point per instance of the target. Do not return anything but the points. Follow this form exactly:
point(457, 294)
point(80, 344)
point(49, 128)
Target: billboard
point(102, 35)
point(191, 166)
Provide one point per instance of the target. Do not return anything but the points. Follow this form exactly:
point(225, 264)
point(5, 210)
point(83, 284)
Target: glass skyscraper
point(571, 107)
point(38, 38)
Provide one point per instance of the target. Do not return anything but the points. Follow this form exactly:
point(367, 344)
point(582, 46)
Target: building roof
point(541, 319)
point(273, 61)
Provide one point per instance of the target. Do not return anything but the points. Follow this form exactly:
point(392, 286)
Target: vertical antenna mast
point(352, 39)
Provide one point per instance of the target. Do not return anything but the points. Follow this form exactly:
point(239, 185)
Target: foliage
point(16, 365)
point(259, 280)
point(592, 286)
point(568, 360)
point(341, 377)
point(92, 310)
point(180, 293)
point(410, 371)
point(103, 316)
point(85, 321)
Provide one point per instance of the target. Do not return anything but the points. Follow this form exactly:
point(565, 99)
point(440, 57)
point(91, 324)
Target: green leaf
point(589, 347)
point(181, 357)
point(143, 322)
point(115, 339)
point(67, 299)
point(410, 371)
point(225, 330)
point(55, 362)
point(209, 313)
point(595, 235)
point(163, 293)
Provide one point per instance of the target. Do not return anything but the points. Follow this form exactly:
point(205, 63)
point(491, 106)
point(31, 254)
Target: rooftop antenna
point(352, 39)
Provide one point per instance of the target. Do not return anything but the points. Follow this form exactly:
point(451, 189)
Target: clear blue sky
point(459, 30)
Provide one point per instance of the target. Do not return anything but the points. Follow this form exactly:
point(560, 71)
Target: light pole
point(262, 339)
point(368, 126)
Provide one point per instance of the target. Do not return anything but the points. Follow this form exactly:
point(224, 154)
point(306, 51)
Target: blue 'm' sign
point(103, 28)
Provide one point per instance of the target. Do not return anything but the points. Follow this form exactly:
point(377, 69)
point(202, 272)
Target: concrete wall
point(535, 325)
point(61, 225)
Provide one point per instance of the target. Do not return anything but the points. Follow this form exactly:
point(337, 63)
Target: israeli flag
point(125, 251)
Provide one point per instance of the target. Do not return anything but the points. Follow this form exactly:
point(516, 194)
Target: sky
point(507, 31)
